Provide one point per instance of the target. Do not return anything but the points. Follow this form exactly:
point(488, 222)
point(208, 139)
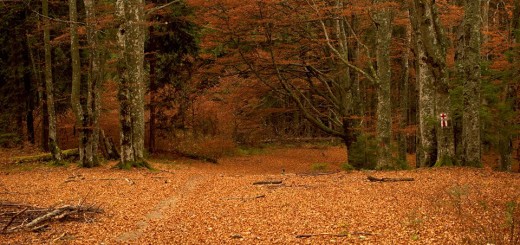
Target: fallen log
point(374, 179)
point(45, 157)
point(268, 182)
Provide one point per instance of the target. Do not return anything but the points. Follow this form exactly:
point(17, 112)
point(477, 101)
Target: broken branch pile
point(21, 217)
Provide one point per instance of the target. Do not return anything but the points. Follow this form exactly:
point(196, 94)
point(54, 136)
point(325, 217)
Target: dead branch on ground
point(75, 178)
point(318, 173)
point(374, 179)
point(321, 234)
point(245, 198)
point(355, 233)
point(268, 182)
point(21, 217)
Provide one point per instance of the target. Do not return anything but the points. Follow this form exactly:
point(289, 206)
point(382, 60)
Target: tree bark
point(511, 100)
point(403, 97)
point(384, 108)
point(53, 143)
point(131, 36)
point(77, 106)
point(485, 22)
point(29, 92)
point(45, 118)
point(427, 150)
point(432, 41)
point(470, 39)
point(151, 141)
point(94, 78)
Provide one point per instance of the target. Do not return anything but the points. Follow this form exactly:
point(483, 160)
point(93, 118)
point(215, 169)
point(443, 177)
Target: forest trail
point(157, 214)
point(190, 202)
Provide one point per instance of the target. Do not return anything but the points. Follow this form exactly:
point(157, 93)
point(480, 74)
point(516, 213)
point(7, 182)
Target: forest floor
point(190, 202)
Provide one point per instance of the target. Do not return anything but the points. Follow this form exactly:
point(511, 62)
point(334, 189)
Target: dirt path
point(157, 214)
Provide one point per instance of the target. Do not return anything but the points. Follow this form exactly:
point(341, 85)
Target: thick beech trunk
point(130, 17)
point(427, 150)
point(96, 71)
point(384, 107)
point(432, 61)
point(470, 39)
point(94, 78)
point(52, 139)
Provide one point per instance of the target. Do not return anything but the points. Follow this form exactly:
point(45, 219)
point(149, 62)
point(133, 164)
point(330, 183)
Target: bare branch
point(162, 6)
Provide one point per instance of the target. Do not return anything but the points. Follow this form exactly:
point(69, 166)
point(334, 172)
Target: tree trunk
point(384, 107)
point(53, 143)
point(45, 119)
point(131, 36)
point(427, 150)
point(403, 98)
point(470, 39)
point(510, 99)
point(95, 75)
point(516, 22)
point(75, 97)
point(485, 22)
point(431, 40)
point(29, 92)
point(151, 141)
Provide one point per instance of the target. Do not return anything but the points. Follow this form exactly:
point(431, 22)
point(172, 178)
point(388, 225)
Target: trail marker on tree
point(444, 120)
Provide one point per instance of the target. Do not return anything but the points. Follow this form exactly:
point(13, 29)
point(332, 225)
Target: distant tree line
point(437, 79)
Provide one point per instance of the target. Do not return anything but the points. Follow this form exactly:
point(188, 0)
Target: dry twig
point(34, 218)
point(321, 234)
point(245, 198)
point(374, 179)
point(268, 182)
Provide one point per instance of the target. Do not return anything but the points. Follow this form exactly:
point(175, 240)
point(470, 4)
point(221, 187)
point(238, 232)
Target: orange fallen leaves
point(217, 204)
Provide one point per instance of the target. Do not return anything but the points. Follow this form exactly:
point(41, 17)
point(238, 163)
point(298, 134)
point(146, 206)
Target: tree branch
point(161, 7)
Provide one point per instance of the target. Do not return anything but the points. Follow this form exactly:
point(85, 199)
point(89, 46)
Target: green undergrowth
point(250, 151)
point(319, 167)
point(445, 161)
point(134, 164)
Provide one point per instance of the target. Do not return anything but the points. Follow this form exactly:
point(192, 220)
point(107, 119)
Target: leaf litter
point(193, 202)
